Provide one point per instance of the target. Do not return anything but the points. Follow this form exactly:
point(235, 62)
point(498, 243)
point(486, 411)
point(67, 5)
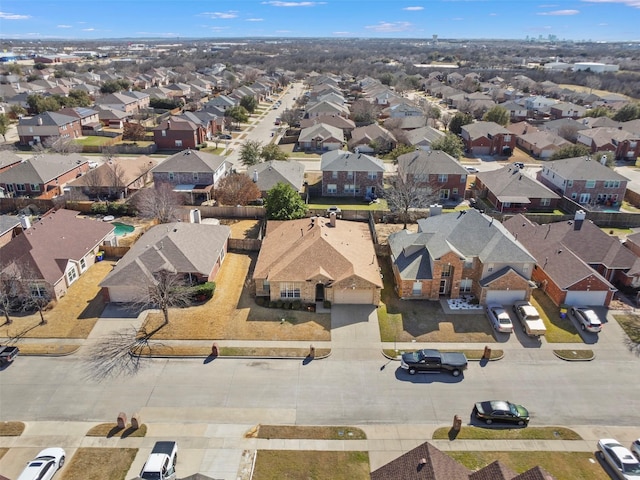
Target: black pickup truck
point(7, 354)
point(429, 360)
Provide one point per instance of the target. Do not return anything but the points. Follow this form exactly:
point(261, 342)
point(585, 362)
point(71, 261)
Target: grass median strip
point(11, 429)
point(204, 351)
point(110, 430)
point(310, 432)
point(99, 464)
point(562, 465)
point(318, 465)
point(529, 433)
point(47, 349)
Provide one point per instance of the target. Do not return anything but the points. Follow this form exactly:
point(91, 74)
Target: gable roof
point(333, 120)
point(297, 250)
point(48, 119)
point(321, 131)
point(42, 169)
point(190, 161)
point(58, 236)
point(269, 174)
point(510, 184)
point(341, 161)
point(582, 168)
point(117, 174)
point(482, 129)
point(179, 247)
point(433, 162)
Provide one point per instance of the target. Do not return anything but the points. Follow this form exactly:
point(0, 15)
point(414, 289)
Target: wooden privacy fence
point(245, 244)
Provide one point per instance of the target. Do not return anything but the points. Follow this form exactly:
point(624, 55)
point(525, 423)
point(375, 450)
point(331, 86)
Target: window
point(195, 176)
point(10, 187)
point(590, 184)
point(574, 195)
point(332, 188)
point(569, 183)
point(444, 194)
point(465, 285)
point(349, 188)
point(172, 176)
point(506, 204)
point(164, 133)
point(468, 262)
point(490, 267)
point(334, 174)
point(372, 175)
point(83, 265)
point(178, 143)
point(20, 187)
point(454, 191)
point(350, 174)
point(289, 290)
point(38, 291)
point(442, 178)
point(34, 187)
point(417, 288)
point(463, 179)
point(545, 202)
point(421, 177)
point(446, 270)
point(72, 275)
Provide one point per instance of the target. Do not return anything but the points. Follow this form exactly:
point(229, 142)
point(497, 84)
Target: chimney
point(435, 210)
point(579, 217)
point(194, 216)
point(25, 221)
point(332, 219)
point(168, 124)
point(255, 175)
point(40, 121)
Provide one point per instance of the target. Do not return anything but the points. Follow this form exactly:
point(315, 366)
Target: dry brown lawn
point(99, 464)
point(242, 228)
point(232, 313)
point(73, 316)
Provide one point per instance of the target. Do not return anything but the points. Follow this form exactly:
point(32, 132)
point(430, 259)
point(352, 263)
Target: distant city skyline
point(577, 20)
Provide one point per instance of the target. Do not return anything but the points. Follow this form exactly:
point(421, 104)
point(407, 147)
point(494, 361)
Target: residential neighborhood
point(239, 256)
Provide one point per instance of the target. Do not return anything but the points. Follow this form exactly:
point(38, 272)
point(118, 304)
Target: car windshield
point(513, 410)
point(633, 468)
point(504, 320)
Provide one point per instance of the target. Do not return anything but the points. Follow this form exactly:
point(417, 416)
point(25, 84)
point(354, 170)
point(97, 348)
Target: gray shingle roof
point(190, 161)
point(271, 173)
point(341, 161)
point(48, 118)
point(580, 168)
point(510, 184)
point(42, 169)
point(429, 162)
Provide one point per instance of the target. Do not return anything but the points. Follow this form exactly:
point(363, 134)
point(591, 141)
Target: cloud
point(341, 34)
point(559, 13)
point(629, 3)
point(88, 29)
point(13, 16)
point(276, 3)
point(255, 20)
point(63, 26)
point(387, 27)
point(223, 15)
point(413, 9)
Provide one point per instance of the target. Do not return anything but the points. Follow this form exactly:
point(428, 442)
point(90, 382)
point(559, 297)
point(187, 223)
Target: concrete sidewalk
point(223, 451)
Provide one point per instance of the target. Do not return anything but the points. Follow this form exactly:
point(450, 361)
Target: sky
point(595, 20)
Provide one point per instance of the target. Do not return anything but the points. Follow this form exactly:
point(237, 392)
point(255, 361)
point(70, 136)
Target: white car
point(620, 459)
point(499, 318)
point(635, 448)
point(472, 169)
point(587, 318)
point(45, 465)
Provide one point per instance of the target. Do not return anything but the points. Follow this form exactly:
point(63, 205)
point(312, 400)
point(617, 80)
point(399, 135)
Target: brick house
point(463, 253)
point(48, 125)
point(192, 173)
point(487, 138)
point(624, 144)
point(585, 181)
point(372, 138)
point(346, 174)
point(509, 189)
point(437, 172)
point(178, 133)
point(43, 175)
point(576, 262)
point(321, 137)
point(315, 259)
point(566, 110)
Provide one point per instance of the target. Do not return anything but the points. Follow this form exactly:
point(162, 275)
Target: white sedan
point(619, 458)
point(45, 465)
point(499, 318)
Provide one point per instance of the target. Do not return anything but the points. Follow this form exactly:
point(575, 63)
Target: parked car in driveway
point(499, 318)
point(635, 448)
point(529, 318)
point(45, 465)
point(587, 318)
point(619, 458)
point(433, 361)
point(472, 169)
point(501, 411)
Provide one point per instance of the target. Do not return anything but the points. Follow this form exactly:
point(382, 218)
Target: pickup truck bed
point(8, 354)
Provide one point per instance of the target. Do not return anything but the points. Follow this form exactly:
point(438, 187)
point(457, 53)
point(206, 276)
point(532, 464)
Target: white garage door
point(595, 298)
point(349, 296)
point(504, 297)
point(121, 294)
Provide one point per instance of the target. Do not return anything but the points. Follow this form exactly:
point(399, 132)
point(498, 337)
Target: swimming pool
point(122, 228)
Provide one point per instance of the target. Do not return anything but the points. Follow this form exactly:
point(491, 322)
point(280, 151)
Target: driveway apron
point(354, 332)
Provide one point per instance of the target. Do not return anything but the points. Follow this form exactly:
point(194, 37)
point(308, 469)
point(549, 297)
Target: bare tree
point(9, 289)
point(160, 203)
point(593, 82)
point(62, 145)
point(410, 188)
point(568, 132)
point(32, 292)
point(237, 189)
point(166, 289)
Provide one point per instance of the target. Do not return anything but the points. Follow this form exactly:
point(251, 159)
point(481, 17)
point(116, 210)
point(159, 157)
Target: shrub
point(326, 304)
point(115, 208)
point(279, 303)
point(296, 305)
point(204, 290)
point(99, 208)
point(272, 304)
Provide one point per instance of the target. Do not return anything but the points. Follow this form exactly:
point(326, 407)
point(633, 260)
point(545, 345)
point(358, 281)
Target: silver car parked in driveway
point(587, 318)
point(620, 459)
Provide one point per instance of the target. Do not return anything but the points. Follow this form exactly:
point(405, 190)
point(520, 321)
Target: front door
point(443, 286)
point(584, 198)
point(319, 292)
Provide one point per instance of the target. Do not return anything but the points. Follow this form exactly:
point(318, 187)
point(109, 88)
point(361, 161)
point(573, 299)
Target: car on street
point(635, 448)
point(519, 165)
point(587, 318)
point(433, 361)
point(472, 169)
point(619, 458)
point(499, 318)
point(225, 137)
point(501, 411)
point(45, 465)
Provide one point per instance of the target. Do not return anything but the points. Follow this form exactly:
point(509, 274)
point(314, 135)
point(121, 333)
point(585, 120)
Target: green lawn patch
point(575, 355)
point(93, 141)
point(316, 465)
point(562, 465)
point(99, 464)
point(347, 203)
point(630, 323)
point(310, 433)
point(559, 330)
point(11, 429)
point(529, 433)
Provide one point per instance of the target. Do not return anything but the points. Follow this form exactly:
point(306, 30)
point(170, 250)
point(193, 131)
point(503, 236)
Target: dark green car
point(501, 411)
